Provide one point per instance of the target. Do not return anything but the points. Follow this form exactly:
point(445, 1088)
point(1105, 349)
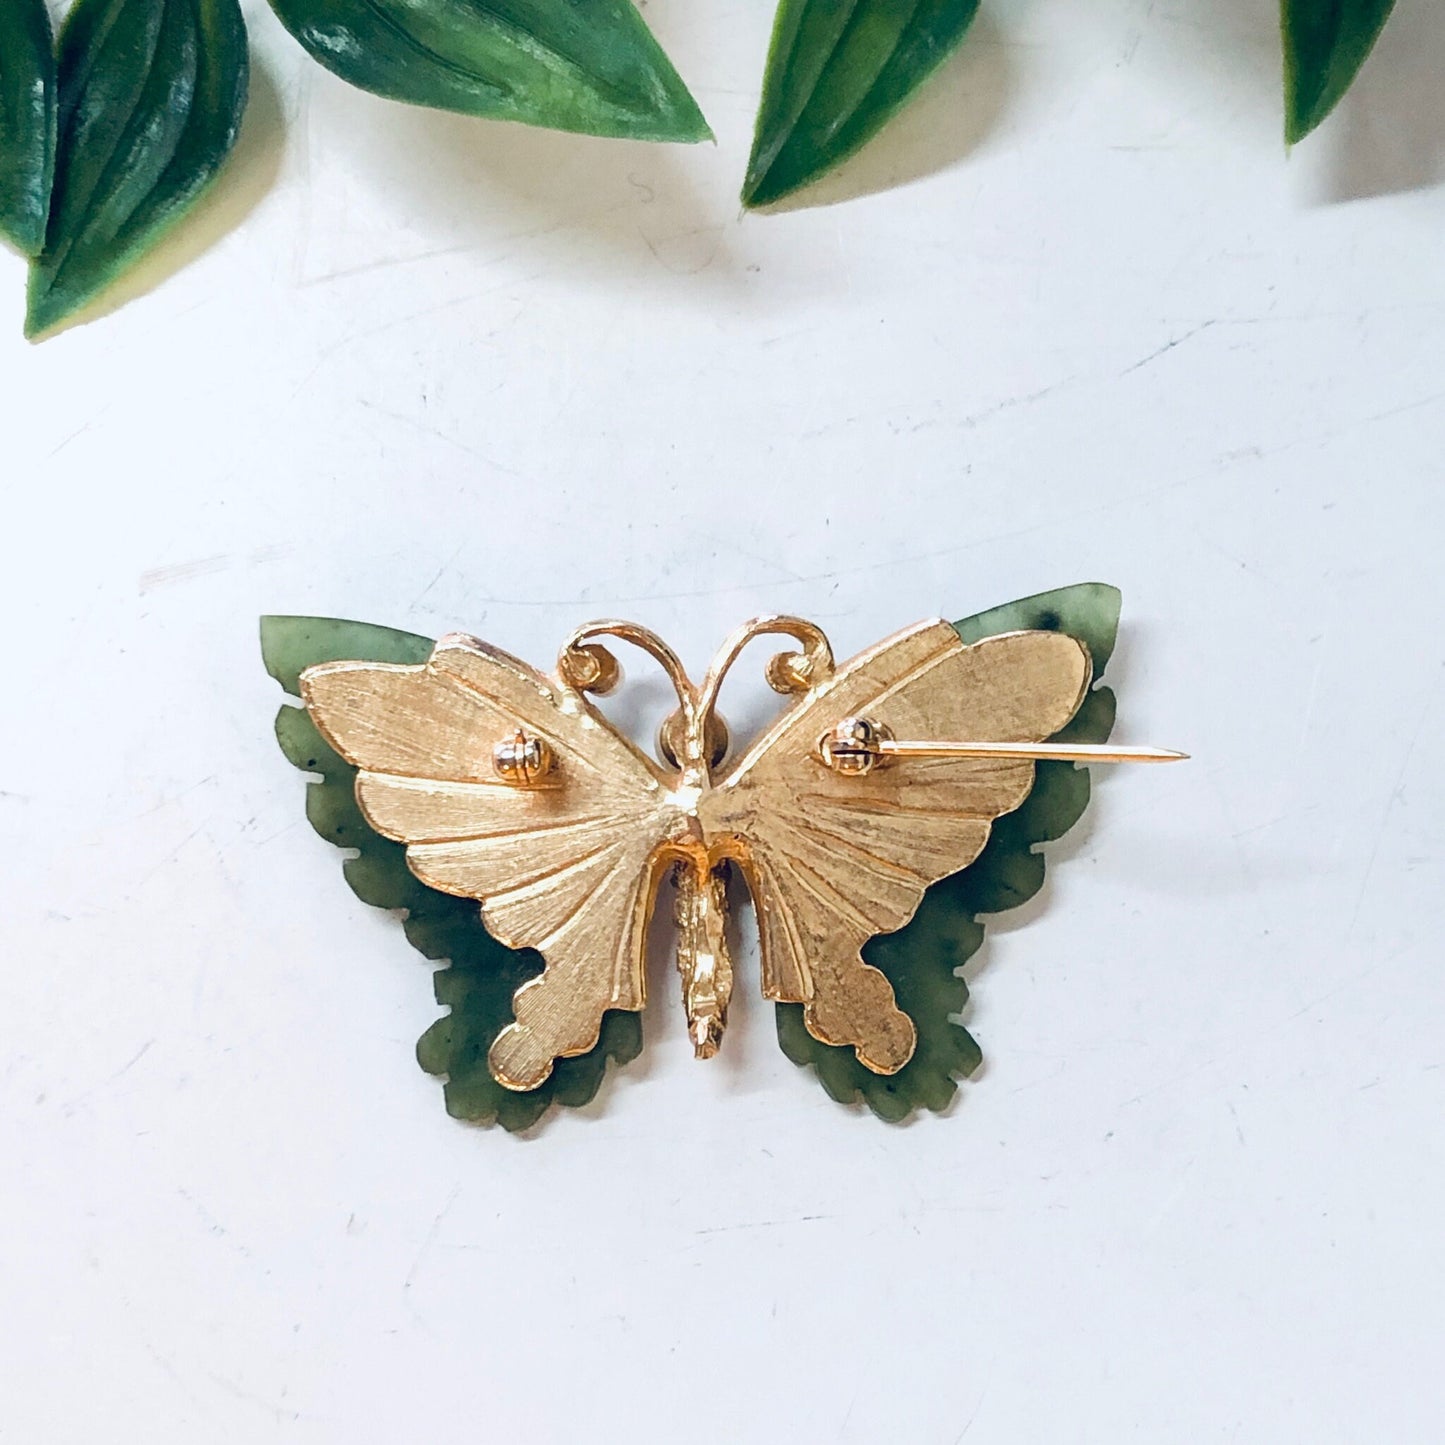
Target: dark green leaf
point(151, 96)
point(1325, 44)
point(837, 71)
point(27, 122)
point(483, 975)
point(591, 67)
point(922, 959)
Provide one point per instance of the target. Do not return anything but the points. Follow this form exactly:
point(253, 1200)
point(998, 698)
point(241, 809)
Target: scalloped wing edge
point(442, 928)
point(1006, 874)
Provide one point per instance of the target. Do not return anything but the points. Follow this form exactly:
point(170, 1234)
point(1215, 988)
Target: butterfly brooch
point(512, 792)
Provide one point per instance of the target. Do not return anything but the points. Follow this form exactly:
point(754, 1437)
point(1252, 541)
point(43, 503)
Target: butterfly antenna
point(590, 667)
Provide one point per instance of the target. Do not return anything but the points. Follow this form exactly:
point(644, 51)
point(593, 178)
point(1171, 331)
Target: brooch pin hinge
point(522, 761)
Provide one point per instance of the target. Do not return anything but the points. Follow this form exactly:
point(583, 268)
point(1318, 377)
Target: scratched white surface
point(436, 374)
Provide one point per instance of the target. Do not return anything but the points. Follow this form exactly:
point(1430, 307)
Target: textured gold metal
point(833, 852)
point(700, 912)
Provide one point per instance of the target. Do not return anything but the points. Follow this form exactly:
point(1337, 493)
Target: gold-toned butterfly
point(880, 777)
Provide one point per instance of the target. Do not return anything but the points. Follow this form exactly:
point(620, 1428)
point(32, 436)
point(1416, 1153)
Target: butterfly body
point(512, 788)
point(703, 958)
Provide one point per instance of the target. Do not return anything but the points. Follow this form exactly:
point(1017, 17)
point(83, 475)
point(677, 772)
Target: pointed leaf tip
point(837, 72)
point(151, 94)
point(1325, 44)
point(595, 69)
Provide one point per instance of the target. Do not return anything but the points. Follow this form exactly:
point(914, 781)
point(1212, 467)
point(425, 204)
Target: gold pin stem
point(1038, 752)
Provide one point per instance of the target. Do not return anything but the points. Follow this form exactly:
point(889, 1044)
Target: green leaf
point(1325, 44)
point(151, 96)
point(27, 122)
point(837, 71)
point(922, 958)
point(593, 67)
point(482, 975)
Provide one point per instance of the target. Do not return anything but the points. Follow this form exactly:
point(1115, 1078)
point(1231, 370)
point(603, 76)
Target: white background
point(435, 373)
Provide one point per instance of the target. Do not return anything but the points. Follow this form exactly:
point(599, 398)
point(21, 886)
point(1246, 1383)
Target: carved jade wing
point(510, 787)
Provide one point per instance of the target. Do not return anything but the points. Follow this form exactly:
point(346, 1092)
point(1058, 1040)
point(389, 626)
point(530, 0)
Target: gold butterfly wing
point(833, 859)
point(566, 866)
